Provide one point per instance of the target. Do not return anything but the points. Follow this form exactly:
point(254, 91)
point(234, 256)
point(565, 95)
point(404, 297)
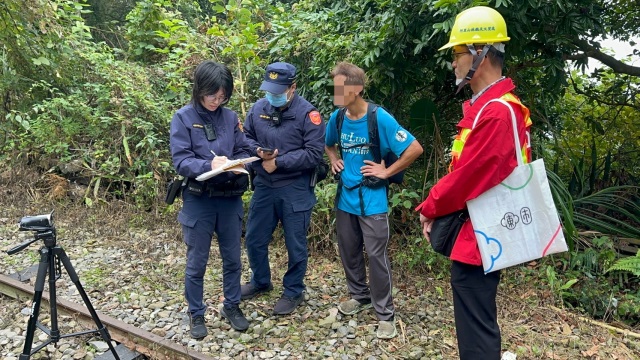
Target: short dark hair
point(208, 78)
point(354, 74)
point(495, 56)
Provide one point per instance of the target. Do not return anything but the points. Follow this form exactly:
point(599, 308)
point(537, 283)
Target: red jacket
point(487, 159)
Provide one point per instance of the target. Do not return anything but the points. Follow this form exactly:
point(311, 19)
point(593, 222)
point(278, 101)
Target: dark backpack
point(374, 141)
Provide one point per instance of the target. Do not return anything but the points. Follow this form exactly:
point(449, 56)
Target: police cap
point(278, 77)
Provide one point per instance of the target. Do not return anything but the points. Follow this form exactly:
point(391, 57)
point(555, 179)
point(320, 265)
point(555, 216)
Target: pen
point(213, 152)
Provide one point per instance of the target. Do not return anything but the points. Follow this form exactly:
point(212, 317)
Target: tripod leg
point(43, 267)
point(62, 255)
point(55, 332)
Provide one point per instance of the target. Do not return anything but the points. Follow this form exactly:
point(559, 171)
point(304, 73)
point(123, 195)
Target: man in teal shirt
point(361, 217)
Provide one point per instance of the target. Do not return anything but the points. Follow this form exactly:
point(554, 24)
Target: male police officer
point(287, 132)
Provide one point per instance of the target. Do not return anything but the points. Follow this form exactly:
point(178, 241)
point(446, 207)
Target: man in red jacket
point(482, 157)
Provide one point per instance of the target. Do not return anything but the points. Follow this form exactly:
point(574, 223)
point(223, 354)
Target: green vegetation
point(88, 89)
point(94, 277)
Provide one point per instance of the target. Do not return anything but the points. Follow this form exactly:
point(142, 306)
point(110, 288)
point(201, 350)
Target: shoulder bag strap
point(513, 121)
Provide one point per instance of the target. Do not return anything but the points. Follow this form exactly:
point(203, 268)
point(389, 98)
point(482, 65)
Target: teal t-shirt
point(393, 137)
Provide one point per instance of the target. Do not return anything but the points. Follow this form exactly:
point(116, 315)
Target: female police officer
point(203, 135)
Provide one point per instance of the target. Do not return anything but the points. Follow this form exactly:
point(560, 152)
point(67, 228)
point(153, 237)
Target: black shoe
point(249, 291)
point(197, 327)
point(286, 304)
point(235, 317)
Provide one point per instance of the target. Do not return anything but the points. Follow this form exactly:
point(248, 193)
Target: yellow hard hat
point(477, 25)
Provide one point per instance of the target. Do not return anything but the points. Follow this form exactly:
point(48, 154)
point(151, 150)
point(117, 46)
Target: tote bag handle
point(513, 121)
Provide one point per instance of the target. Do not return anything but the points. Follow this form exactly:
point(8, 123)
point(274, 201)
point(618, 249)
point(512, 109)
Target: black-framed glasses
point(458, 55)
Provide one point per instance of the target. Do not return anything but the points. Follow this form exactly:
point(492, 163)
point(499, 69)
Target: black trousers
point(475, 311)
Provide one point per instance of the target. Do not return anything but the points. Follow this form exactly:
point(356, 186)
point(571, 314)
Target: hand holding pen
point(217, 160)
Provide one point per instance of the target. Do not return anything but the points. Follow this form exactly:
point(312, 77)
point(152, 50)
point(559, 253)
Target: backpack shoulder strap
point(339, 121)
point(340, 118)
point(374, 136)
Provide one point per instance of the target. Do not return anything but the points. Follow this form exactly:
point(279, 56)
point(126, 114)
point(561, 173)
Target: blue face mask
point(276, 100)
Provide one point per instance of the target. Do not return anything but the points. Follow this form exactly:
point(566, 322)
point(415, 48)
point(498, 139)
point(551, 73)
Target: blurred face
point(462, 61)
point(212, 102)
point(344, 94)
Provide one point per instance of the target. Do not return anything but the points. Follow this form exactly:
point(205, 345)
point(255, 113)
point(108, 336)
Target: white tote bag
point(516, 221)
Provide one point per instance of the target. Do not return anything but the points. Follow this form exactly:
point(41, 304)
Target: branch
point(600, 100)
point(615, 64)
point(7, 101)
point(624, 332)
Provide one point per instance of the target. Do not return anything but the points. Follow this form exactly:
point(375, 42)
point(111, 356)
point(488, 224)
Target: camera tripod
point(51, 258)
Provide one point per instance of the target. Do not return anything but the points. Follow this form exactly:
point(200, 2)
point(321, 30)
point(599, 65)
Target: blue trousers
point(201, 217)
point(291, 205)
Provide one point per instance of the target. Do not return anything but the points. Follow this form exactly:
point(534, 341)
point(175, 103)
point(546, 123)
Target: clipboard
point(226, 167)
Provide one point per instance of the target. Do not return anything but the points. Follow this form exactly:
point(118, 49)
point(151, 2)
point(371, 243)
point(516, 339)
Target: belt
point(213, 193)
point(212, 190)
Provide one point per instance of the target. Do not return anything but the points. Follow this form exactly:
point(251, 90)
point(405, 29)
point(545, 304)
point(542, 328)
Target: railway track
point(133, 338)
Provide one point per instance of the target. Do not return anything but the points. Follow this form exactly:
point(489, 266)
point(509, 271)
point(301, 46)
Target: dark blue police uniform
point(218, 209)
point(284, 195)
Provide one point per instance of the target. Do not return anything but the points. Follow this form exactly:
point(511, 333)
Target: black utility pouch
point(252, 178)
point(195, 187)
point(174, 188)
point(374, 182)
point(319, 173)
point(241, 184)
point(445, 230)
point(233, 187)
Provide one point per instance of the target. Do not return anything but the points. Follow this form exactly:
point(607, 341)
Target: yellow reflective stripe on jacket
point(509, 97)
point(458, 144)
point(527, 122)
point(463, 135)
point(525, 158)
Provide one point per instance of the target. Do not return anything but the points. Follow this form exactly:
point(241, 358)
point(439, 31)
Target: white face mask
point(458, 81)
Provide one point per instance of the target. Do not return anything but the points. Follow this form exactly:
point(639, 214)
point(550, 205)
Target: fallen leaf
point(528, 294)
point(448, 342)
point(553, 356)
point(591, 352)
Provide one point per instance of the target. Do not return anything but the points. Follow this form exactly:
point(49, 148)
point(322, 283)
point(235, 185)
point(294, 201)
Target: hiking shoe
point(386, 329)
point(197, 328)
point(286, 304)
point(249, 291)
point(353, 306)
point(235, 317)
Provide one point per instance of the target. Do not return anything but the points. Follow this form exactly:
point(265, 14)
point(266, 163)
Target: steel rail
point(130, 336)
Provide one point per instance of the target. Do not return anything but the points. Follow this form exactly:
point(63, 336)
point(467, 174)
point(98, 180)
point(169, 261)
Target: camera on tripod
point(42, 225)
point(52, 258)
point(37, 223)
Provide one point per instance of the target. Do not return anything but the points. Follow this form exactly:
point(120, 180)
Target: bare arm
point(406, 158)
point(337, 165)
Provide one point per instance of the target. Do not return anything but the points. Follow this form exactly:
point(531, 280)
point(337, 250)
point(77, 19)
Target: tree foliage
point(76, 89)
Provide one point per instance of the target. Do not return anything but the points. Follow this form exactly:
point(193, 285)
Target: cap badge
point(273, 75)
